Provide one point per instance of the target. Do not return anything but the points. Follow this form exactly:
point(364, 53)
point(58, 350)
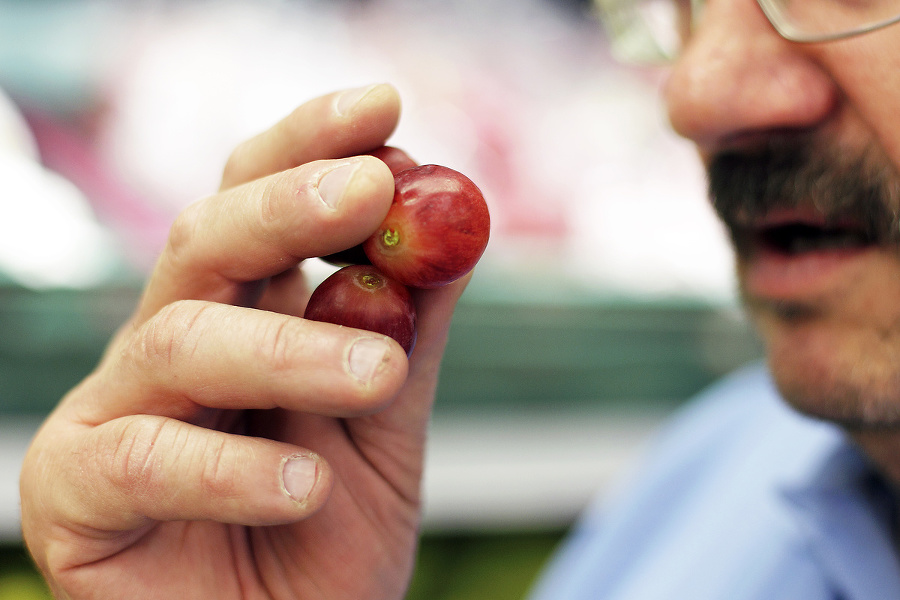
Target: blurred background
point(603, 302)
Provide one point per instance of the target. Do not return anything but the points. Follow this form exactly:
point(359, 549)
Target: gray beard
point(794, 170)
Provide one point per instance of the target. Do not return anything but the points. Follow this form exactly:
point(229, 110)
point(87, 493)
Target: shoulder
point(743, 421)
point(737, 435)
point(706, 510)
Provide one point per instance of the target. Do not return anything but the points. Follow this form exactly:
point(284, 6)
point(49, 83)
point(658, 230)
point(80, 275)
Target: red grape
point(360, 296)
point(435, 231)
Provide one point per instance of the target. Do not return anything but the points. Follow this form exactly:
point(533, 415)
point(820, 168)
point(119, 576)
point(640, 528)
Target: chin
point(833, 368)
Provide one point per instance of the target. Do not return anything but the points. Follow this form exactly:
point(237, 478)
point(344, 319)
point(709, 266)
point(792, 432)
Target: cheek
point(867, 71)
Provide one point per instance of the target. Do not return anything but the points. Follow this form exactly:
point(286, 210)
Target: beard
point(797, 171)
point(853, 378)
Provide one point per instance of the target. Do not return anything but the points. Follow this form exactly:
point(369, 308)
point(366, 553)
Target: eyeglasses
point(653, 31)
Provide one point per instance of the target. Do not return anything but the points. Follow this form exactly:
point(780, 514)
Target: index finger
point(267, 216)
point(222, 247)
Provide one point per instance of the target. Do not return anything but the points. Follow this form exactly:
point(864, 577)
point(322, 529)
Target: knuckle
point(271, 206)
point(171, 335)
point(279, 345)
point(149, 455)
point(134, 463)
point(268, 203)
point(182, 233)
point(218, 472)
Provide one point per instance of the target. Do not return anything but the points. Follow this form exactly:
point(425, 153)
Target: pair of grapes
point(434, 233)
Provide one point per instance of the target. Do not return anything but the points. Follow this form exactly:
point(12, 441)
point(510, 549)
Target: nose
point(738, 79)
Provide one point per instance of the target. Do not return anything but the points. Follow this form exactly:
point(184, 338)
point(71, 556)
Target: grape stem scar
point(391, 237)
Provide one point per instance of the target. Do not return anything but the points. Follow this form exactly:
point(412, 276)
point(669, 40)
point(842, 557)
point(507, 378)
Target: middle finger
point(260, 229)
point(196, 355)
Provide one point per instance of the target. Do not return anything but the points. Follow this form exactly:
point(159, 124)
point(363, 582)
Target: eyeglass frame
point(789, 32)
point(614, 18)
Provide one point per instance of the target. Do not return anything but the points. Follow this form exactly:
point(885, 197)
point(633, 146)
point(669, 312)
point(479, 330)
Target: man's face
point(802, 145)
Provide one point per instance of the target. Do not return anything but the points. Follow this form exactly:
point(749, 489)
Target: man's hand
point(225, 447)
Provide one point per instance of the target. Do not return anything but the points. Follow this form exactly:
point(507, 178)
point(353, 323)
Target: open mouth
point(797, 254)
point(800, 238)
point(792, 233)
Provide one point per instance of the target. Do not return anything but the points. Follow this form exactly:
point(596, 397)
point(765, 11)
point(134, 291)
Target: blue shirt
point(741, 499)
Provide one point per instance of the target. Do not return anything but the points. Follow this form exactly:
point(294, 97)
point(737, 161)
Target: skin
point(835, 353)
point(135, 486)
point(162, 475)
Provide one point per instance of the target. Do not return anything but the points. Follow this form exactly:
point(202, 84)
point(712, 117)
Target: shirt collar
point(845, 512)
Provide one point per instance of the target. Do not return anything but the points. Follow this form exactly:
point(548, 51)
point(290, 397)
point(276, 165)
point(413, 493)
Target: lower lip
point(778, 276)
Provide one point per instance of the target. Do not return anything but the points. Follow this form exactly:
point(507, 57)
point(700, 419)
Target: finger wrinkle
point(171, 338)
point(218, 473)
point(182, 236)
point(271, 209)
point(133, 463)
point(279, 348)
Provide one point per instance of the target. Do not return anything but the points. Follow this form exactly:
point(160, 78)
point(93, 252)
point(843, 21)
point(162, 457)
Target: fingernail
point(366, 357)
point(333, 184)
point(299, 476)
point(350, 98)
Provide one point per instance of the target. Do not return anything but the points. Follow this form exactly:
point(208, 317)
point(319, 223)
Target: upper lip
point(791, 216)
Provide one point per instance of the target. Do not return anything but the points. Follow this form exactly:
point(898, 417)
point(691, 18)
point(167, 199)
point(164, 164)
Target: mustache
point(794, 171)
